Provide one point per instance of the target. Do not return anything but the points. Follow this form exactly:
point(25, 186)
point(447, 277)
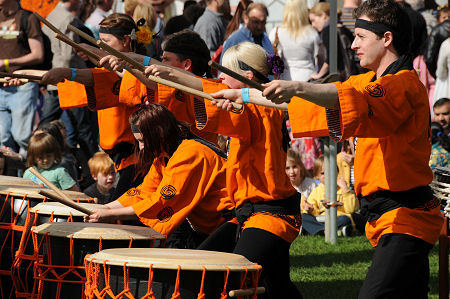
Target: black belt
point(287, 206)
point(377, 203)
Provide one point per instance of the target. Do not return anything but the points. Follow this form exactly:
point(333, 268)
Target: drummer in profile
point(185, 177)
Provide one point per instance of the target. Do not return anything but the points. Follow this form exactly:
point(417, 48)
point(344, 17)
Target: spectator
point(442, 88)
point(237, 21)
point(440, 146)
point(419, 29)
point(298, 174)
point(255, 18)
point(347, 18)
point(147, 12)
point(316, 204)
point(192, 13)
point(44, 153)
point(441, 110)
point(102, 170)
point(296, 42)
point(443, 14)
point(67, 158)
point(319, 16)
point(18, 103)
point(436, 38)
point(344, 161)
point(212, 24)
point(101, 11)
point(80, 122)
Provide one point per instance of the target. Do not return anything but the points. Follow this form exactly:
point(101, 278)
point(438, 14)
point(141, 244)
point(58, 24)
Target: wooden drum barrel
point(169, 273)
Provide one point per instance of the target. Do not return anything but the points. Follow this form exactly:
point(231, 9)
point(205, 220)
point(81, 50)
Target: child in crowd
point(316, 205)
point(44, 153)
point(297, 173)
point(102, 170)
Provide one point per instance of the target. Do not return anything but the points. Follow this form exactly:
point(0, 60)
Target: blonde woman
point(147, 12)
point(296, 41)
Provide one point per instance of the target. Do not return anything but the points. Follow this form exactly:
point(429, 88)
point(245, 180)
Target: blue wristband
point(245, 95)
point(74, 74)
point(146, 61)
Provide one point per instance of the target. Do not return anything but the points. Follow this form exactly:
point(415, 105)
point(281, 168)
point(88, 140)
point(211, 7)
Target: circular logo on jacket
point(133, 192)
point(375, 90)
point(165, 214)
point(168, 191)
point(116, 87)
point(179, 95)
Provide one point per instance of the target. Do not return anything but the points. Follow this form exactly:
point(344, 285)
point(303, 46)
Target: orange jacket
point(256, 161)
point(191, 185)
point(390, 117)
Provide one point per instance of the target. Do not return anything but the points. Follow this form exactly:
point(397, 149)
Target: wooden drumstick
point(93, 57)
point(67, 202)
point(21, 76)
point(235, 75)
point(141, 68)
point(246, 292)
point(49, 184)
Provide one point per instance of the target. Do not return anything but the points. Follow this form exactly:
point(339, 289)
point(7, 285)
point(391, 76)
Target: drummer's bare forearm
point(125, 213)
point(114, 205)
point(257, 98)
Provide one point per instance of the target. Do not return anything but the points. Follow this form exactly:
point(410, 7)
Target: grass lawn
point(321, 270)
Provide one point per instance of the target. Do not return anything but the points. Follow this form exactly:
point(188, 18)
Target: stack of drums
point(169, 273)
point(22, 269)
point(17, 196)
point(61, 273)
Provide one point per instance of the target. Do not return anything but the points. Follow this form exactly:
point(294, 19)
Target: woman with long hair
point(186, 178)
point(296, 42)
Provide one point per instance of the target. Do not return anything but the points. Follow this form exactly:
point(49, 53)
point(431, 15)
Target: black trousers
point(262, 247)
point(399, 269)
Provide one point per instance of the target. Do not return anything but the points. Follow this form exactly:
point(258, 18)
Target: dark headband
point(186, 52)
point(377, 28)
point(135, 129)
point(245, 67)
point(115, 31)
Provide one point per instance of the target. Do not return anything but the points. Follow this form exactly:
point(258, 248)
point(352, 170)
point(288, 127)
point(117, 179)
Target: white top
point(442, 89)
point(96, 17)
point(299, 55)
point(306, 187)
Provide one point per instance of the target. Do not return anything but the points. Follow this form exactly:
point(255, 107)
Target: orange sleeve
point(175, 197)
point(233, 124)
point(149, 184)
point(105, 92)
point(374, 109)
point(72, 95)
point(133, 92)
point(307, 119)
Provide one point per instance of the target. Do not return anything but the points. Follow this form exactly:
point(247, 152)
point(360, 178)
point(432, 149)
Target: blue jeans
point(17, 112)
point(312, 226)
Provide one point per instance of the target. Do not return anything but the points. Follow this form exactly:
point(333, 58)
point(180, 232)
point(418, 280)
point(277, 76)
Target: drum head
point(106, 231)
point(33, 192)
point(170, 258)
point(59, 209)
point(15, 181)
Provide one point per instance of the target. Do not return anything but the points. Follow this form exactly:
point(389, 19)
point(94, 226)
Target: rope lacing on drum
point(201, 294)
point(150, 294)
point(224, 293)
point(176, 292)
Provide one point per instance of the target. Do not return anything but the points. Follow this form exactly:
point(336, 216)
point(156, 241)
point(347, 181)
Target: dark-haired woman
point(186, 178)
